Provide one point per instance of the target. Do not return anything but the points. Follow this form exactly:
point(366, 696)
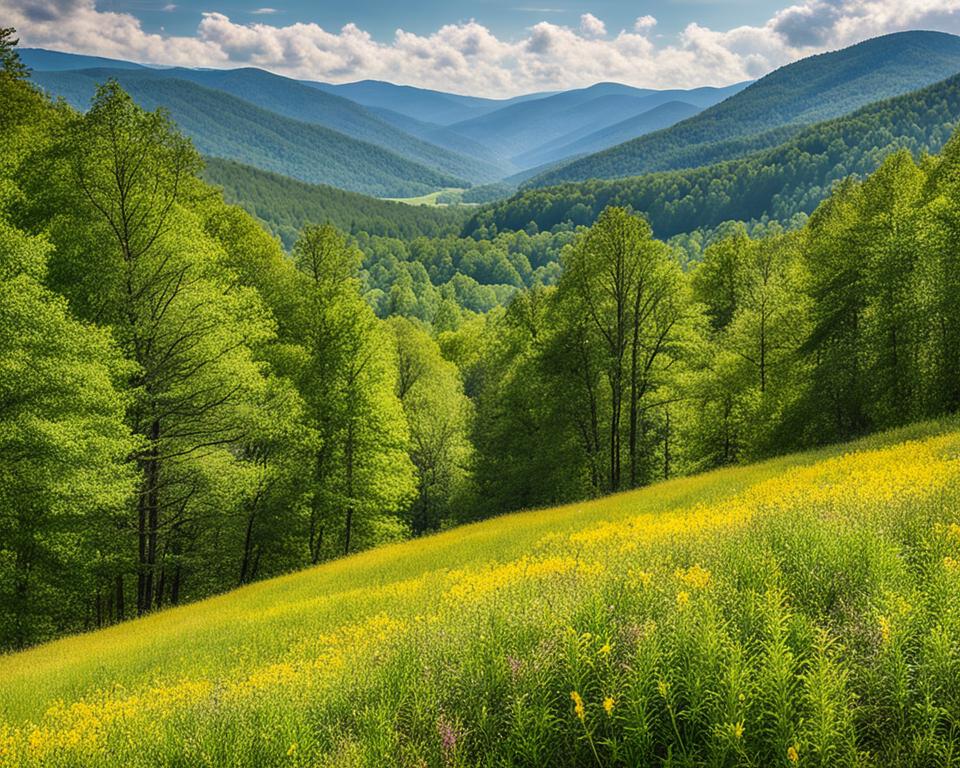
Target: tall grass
point(803, 611)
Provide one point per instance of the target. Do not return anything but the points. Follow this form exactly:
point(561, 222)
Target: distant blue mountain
point(420, 103)
point(520, 128)
point(42, 60)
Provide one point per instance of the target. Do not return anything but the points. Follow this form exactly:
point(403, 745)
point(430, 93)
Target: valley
point(518, 417)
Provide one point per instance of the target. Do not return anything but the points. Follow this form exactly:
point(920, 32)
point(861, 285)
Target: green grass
point(430, 199)
point(802, 607)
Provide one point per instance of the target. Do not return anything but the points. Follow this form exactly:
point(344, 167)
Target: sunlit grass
point(802, 610)
point(430, 199)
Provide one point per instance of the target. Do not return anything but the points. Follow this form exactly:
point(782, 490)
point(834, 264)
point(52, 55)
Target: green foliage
point(188, 409)
point(63, 477)
point(438, 414)
point(10, 61)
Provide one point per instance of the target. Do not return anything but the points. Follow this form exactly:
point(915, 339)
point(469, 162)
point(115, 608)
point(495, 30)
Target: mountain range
point(438, 139)
point(807, 91)
point(386, 140)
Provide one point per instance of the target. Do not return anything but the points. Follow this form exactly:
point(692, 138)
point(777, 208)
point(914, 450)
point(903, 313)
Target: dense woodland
point(285, 205)
point(185, 406)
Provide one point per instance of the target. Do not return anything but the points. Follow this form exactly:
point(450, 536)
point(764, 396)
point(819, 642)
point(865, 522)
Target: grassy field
point(430, 199)
point(802, 611)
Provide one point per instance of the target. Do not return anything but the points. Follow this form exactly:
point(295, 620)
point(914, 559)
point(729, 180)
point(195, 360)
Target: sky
point(495, 48)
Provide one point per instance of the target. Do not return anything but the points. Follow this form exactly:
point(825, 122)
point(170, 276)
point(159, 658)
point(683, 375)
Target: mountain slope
point(779, 182)
point(292, 99)
point(42, 60)
point(420, 103)
point(285, 205)
point(816, 88)
point(440, 136)
point(584, 141)
point(222, 125)
point(526, 634)
point(521, 127)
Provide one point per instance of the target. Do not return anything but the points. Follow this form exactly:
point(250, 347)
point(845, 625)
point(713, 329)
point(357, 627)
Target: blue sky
point(505, 18)
point(493, 48)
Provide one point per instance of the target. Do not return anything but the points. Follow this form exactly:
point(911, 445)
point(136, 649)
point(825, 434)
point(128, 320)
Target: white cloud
point(264, 11)
point(170, 7)
point(644, 23)
point(467, 57)
point(591, 26)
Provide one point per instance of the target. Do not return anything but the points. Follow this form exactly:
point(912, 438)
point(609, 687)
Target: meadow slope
point(801, 611)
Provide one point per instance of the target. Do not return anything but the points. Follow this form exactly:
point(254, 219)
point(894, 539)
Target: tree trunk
point(349, 460)
point(118, 597)
point(175, 586)
point(149, 521)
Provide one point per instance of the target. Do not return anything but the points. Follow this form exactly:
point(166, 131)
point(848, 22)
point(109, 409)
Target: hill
point(420, 103)
point(284, 97)
point(813, 89)
point(285, 205)
point(519, 128)
point(42, 60)
point(576, 143)
point(780, 182)
point(796, 611)
point(222, 125)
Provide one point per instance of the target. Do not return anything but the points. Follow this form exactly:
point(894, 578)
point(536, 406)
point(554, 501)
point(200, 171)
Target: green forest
point(186, 407)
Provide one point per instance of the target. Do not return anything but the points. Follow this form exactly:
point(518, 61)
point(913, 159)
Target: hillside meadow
point(800, 611)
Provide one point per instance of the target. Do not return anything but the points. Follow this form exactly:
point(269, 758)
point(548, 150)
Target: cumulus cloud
point(467, 57)
point(591, 26)
point(644, 23)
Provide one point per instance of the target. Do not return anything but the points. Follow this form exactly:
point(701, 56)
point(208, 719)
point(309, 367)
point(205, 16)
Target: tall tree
point(362, 474)
point(63, 444)
point(114, 196)
point(438, 415)
point(631, 290)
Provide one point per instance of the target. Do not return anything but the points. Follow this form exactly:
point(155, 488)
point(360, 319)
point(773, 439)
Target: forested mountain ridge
point(775, 183)
point(286, 205)
point(420, 103)
point(587, 140)
point(222, 125)
point(814, 89)
point(277, 95)
point(42, 60)
point(520, 128)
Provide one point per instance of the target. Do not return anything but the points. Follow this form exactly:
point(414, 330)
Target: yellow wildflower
point(738, 730)
point(293, 750)
point(662, 688)
point(683, 598)
point(951, 564)
point(884, 623)
point(793, 754)
point(605, 649)
point(578, 705)
point(608, 705)
point(695, 576)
